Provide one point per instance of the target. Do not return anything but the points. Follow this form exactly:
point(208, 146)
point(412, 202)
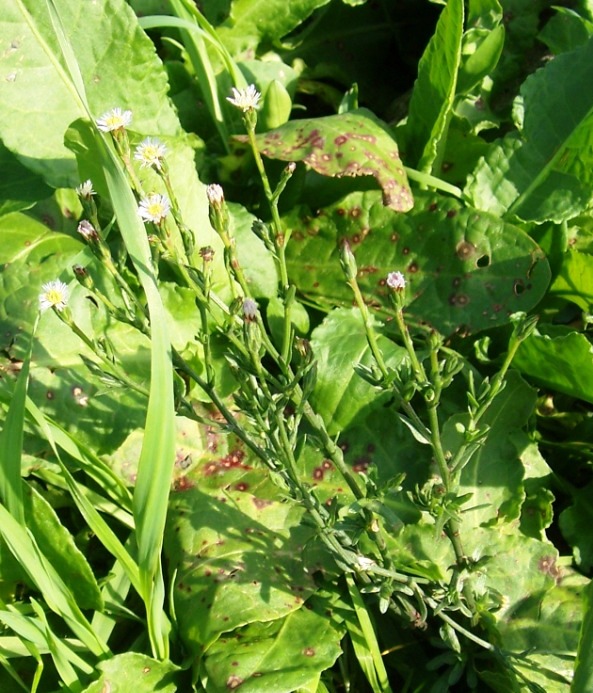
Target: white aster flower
point(154, 207)
point(215, 195)
point(246, 99)
point(113, 120)
point(85, 190)
point(396, 281)
point(55, 295)
point(150, 152)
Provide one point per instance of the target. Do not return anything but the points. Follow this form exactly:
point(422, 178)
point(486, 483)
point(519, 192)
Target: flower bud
point(348, 261)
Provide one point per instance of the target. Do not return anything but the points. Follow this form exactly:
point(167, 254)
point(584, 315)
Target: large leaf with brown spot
point(238, 558)
point(280, 657)
point(466, 270)
point(349, 144)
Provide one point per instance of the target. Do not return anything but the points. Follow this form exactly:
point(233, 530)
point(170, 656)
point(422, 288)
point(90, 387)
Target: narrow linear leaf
point(583, 675)
point(365, 642)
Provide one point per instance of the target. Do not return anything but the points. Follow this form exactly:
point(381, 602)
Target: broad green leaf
point(544, 173)
point(574, 281)
point(537, 509)
point(255, 259)
point(355, 143)
point(253, 21)
point(276, 657)
point(119, 68)
point(583, 674)
point(563, 363)
point(434, 91)
point(575, 523)
point(20, 189)
point(466, 270)
point(499, 457)
point(28, 248)
point(340, 343)
point(545, 628)
point(132, 671)
point(565, 31)
point(238, 558)
point(517, 567)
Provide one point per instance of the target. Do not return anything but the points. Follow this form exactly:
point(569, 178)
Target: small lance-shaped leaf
point(563, 363)
point(349, 144)
point(545, 173)
point(466, 270)
point(279, 657)
point(118, 63)
point(432, 99)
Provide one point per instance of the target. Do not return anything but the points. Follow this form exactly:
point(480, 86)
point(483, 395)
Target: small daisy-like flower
point(246, 99)
point(55, 295)
point(215, 195)
point(150, 152)
point(249, 309)
point(87, 231)
point(85, 190)
point(113, 120)
point(396, 281)
point(154, 208)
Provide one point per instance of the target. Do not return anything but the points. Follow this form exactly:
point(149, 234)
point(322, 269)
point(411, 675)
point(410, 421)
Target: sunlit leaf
point(355, 143)
point(466, 270)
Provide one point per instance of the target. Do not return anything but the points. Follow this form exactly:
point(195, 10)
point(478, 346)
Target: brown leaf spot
point(309, 652)
point(465, 250)
point(233, 682)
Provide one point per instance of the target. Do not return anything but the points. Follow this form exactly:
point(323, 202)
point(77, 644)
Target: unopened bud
point(84, 278)
point(207, 253)
point(348, 261)
point(88, 231)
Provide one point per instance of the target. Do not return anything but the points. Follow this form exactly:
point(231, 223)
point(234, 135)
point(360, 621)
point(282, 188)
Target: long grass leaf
point(11, 442)
point(157, 456)
point(94, 520)
point(56, 594)
point(365, 643)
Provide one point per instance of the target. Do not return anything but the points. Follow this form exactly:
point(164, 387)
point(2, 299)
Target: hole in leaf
point(483, 261)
